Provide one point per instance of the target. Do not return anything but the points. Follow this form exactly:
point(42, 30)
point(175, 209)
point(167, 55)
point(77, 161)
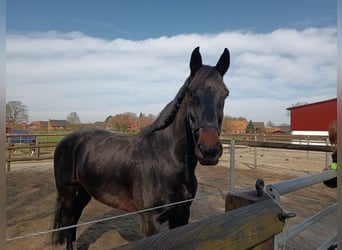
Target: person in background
point(332, 183)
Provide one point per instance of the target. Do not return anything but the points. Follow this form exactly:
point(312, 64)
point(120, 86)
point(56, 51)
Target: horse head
point(206, 96)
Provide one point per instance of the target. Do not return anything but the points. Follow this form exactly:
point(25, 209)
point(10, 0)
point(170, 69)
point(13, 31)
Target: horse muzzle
point(208, 148)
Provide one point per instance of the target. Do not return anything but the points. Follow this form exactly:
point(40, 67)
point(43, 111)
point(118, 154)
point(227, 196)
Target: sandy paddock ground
point(31, 197)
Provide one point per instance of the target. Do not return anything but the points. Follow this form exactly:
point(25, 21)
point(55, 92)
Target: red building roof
point(313, 116)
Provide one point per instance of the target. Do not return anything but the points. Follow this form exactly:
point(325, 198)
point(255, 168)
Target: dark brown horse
point(153, 168)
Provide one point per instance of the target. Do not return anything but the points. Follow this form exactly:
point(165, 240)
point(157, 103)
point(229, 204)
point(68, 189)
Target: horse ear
point(195, 61)
point(223, 63)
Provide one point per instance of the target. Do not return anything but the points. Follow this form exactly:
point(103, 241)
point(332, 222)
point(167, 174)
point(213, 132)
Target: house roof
point(58, 123)
point(311, 104)
point(313, 116)
point(258, 124)
point(42, 123)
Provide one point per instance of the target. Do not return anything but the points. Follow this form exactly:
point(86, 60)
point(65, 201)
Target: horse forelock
point(202, 75)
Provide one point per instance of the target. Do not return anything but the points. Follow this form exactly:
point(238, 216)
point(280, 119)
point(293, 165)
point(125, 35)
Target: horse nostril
point(208, 151)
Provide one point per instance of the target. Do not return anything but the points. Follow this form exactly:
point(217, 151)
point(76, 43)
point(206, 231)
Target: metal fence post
point(232, 164)
point(326, 153)
point(255, 153)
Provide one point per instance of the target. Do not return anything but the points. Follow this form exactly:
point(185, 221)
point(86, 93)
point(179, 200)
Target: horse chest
point(168, 186)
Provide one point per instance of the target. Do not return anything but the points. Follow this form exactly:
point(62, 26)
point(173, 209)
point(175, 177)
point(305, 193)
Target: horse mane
point(168, 114)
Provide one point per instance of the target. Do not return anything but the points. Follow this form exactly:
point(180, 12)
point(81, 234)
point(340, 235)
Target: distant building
point(57, 124)
point(273, 130)
point(38, 125)
point(236, 127)
point(285, 128)
point(259, 127)
point(313, 118)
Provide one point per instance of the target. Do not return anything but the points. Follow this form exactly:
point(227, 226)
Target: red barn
point(313, 118)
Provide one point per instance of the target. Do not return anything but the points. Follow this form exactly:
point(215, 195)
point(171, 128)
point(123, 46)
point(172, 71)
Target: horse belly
point(121, 201)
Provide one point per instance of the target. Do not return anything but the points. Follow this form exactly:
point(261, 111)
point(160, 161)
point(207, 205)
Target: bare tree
point(270, 124)
point(16, 112)
point(73, 118)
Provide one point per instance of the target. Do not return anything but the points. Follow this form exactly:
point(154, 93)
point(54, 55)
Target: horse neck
point(181, 129)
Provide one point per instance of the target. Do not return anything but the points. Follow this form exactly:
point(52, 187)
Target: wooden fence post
point(246, 197)
point(8, 161)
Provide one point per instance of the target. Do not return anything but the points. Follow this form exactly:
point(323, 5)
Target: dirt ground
point(31, 200)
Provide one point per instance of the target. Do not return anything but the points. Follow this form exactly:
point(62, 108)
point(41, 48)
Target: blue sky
point(99, 58)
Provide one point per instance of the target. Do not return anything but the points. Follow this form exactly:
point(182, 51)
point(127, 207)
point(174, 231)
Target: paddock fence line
point(30, 147)
point(281, 188)
point(291, 185)
point(20, 147)
point(286, 138)
point(232, 143)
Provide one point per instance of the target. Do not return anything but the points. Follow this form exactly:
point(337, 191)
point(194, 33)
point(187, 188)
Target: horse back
point(99, 162)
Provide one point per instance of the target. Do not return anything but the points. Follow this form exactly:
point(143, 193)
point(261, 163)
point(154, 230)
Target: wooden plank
point(31, 158)
point(244, 197)
point(280, 145)
point(241, 228)
point(241, 198)
point(40, 145)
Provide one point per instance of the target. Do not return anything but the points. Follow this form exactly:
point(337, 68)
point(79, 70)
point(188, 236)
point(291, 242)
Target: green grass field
point(50, 138)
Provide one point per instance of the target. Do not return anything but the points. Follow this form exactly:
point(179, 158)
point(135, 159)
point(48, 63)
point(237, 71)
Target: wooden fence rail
point(281, 145)
point(242, 228)
point(38, 155)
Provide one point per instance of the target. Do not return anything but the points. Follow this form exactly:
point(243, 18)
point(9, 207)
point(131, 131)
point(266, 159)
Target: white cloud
point(55, 73)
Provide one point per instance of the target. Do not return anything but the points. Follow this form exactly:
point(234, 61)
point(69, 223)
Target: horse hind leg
point(68, 211)
point(81, 201)
point(62, 218)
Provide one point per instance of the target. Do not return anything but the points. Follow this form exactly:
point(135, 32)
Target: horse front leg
point(71, 244)
point(149, 224)
point(181, 214)
point(180, 217)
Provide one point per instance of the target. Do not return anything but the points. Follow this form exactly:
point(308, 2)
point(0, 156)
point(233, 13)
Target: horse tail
point(64, 176)
point(58, 236)
point(71, 197)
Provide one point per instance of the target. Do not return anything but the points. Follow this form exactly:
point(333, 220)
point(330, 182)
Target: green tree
point(73, 118)
point(250, 127)
point(270, 124)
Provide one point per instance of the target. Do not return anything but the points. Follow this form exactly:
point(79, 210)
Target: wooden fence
point(42, 148)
